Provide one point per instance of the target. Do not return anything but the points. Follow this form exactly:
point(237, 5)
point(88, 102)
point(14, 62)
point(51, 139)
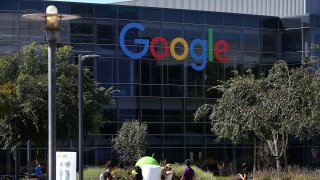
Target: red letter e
point(220, 47)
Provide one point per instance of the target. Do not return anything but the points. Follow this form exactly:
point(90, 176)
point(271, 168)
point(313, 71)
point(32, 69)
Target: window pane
point(251, 58)
point(82, 26)
point(233, 37)
point(194, 77)
point(172, 110)
point(192, 32)
point(233, 20)
point(82, 10)
point(102, 11)
point(126, 12)
point(172, 15)
point(214, 72)
point(31, 6)
point(106, 31)
point(287, 23)
point(174, 128)
point(171, 31)
point(151, 109)
point(9, 6)
point(152, 72)
point(155, 128)
point(251, 40)
point(270, 22)
point(128, 109)
point(129, 71)
point(195, 17)
point(129, 90)
point(269, 58)
point(151, 14)
point(195, 91)
point(291, 40)
point(173, 72)
point(173, 91)
point(214, 18)
point(104, 70)
point(269, 40)
point(251, 21)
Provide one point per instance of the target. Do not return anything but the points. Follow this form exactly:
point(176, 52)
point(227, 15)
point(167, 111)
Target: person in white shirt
point(167, 171)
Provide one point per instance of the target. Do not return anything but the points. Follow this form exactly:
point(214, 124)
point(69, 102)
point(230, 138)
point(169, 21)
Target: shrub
point(93, 173)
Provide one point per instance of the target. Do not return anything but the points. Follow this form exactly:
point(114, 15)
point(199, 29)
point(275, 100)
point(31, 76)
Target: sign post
point(66, 166)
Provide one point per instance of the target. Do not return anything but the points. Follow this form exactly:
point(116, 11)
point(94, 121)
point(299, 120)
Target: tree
point(235, 113)
point(271, 108)
point(24, 97)
point(130, 141)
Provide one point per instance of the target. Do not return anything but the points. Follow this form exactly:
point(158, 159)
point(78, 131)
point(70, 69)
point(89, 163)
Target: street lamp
point(52, 19)
point(80, 105)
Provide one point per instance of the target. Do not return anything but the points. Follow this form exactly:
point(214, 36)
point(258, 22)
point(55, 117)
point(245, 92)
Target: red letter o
point(165, 44)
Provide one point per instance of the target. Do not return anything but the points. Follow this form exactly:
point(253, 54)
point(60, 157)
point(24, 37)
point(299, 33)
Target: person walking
point(188, 173)
point(107, 174)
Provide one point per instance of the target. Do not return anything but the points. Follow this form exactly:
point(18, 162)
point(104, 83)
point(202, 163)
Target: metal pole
point(29, 158)
point(52, 45)
point(80, 105)
point(16, 165)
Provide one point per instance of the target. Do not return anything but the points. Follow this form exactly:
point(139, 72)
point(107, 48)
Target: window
point(251, 21)
point(233, 20)
point(9, 6)
point(270, 39)
point(84, 10)
point(102, 11)
point(212, 18)
point(233, 37)
point(170, 15)
point(291, 40)
point(106, 32)
point(251, 40)
point(127, 12)
point(151, 14)
point(195, 17)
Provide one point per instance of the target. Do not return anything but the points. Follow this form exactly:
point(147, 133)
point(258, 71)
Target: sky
point(93, 1)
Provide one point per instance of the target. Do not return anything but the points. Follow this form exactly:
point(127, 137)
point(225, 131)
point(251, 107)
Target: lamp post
point(52, 19)
point(80, 105)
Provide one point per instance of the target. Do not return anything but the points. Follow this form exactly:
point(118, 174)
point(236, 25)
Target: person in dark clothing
point(188, 173)
point(138, 176)
point(244, 174)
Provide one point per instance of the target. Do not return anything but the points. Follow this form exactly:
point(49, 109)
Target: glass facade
point(165, 93)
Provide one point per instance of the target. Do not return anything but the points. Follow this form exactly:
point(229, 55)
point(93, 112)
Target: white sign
point(66, 165)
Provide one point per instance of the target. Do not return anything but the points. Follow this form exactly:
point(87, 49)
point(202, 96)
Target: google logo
point(217, 49)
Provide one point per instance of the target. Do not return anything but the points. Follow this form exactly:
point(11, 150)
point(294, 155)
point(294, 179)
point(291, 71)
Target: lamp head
point(52, 18)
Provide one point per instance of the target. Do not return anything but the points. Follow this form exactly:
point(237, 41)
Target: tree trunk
point(254, 154)
point(278, 164)
point(285, 159)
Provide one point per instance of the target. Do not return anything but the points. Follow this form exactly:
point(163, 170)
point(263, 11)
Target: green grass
point(93, 173)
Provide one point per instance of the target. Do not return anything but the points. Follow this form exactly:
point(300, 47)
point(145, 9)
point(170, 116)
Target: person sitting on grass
point(138, 175)
point(38, 171)
point(244, 174)
point(107, 174)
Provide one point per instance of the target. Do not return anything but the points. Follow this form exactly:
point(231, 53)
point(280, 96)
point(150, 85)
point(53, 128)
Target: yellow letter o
point(185, 47)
